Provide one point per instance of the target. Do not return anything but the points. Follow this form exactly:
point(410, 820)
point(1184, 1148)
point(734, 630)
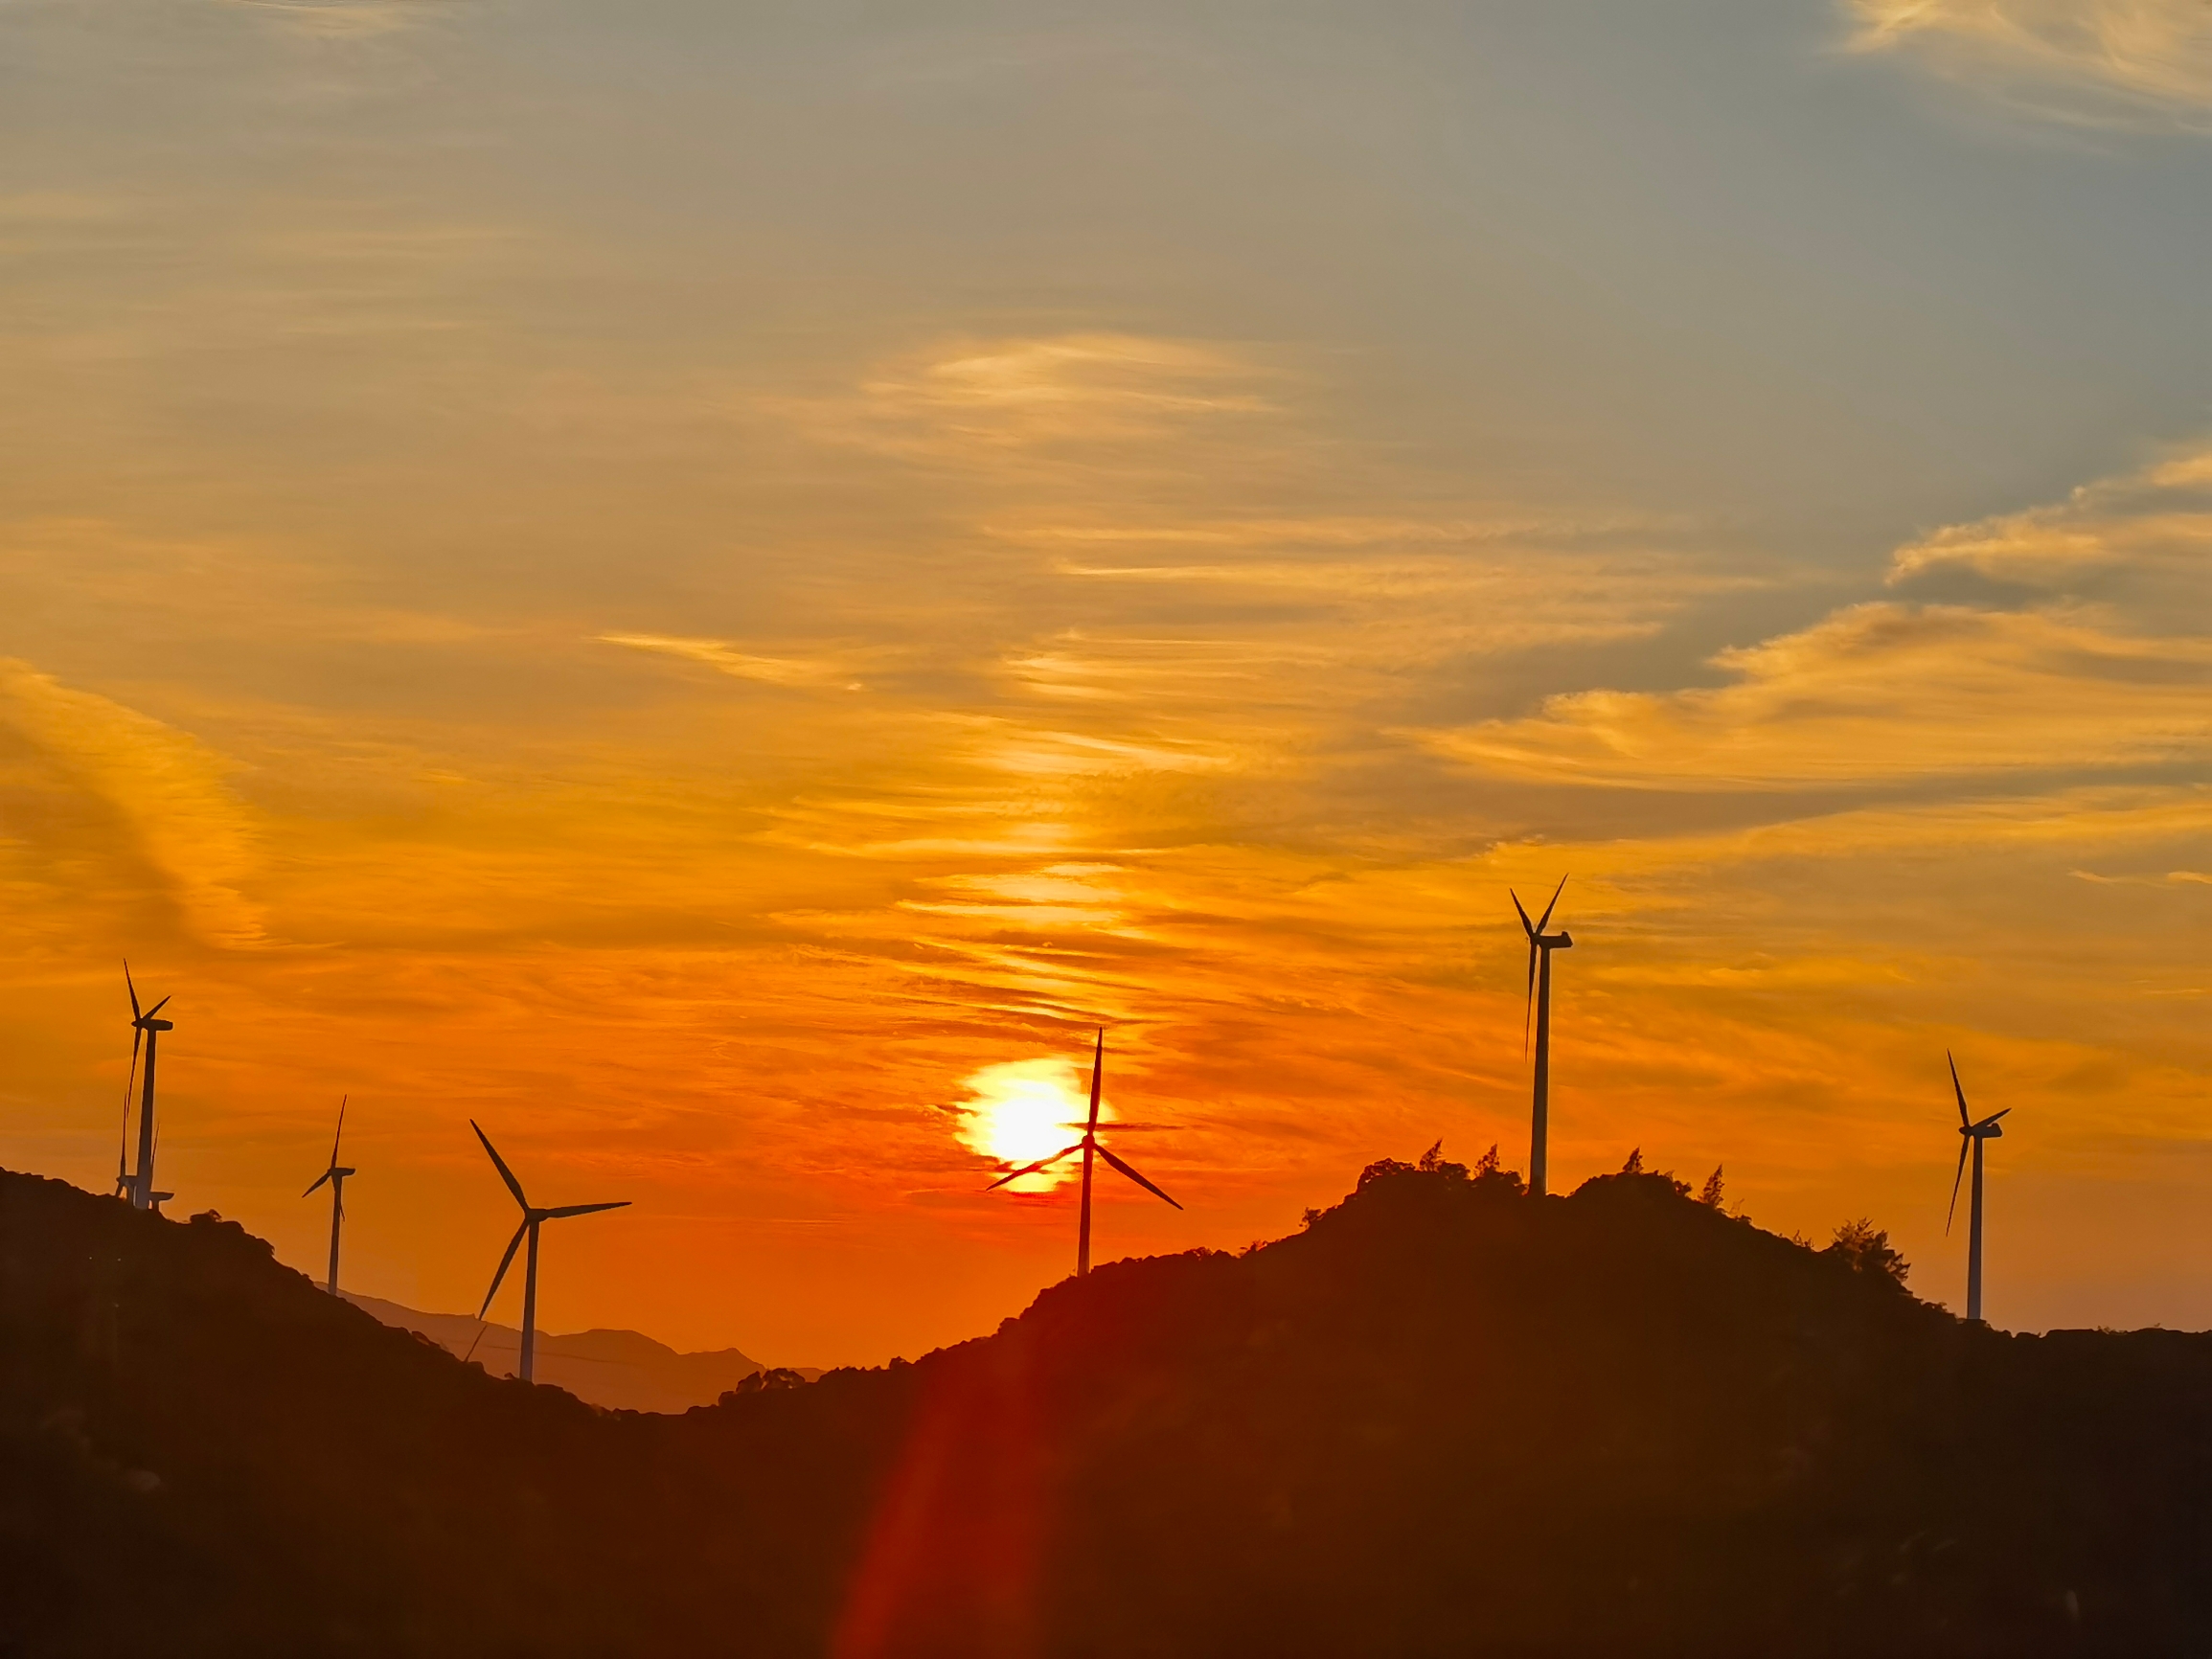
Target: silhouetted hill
point(1443, 1419)
point(622, 1369)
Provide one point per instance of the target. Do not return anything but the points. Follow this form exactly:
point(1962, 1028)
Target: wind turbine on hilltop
point(1973, 1134)
point(532, 1219)
point(144, 1027)
point(1540, 946)
point(1088, 1145)
point(336, 1177)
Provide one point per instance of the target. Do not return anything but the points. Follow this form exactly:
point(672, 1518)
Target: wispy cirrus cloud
point(168, 788)
point(2094, 61)
point(344, 19)
point(1877, 693)
point(2106, 667)
point(1084, 388)
point(1029, 405)
point(831, 670)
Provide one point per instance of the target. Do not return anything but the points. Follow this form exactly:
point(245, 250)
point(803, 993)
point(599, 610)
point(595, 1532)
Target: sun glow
point(1020, 1111)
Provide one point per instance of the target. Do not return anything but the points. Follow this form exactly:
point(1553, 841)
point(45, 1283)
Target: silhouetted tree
point(1866, 1247)
point(1383, 1167)
point(1635, 1164)
point(1709, 1195)
point(1493, 1176)
point(765, 1379)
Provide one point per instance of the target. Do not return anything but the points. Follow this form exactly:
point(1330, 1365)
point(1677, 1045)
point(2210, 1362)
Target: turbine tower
point(1090, 1148)
point(1540, 946)
point(532, 1219)
point(1973, 1135)
point(146, 1028)
point(336, 1176)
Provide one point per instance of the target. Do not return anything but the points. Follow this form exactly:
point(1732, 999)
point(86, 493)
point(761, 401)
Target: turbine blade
point(505, 1262)
point(319, 1180)
point(505, 1173)
point(122, 1148)
point(123, 1141)
point(1526, 925)
point(1991, 1119)
point(1097, 1071)
point(135, 1012)
point(1953, 1212)
point(340, 1135)
point(1528, 1000)
point(584, 1209)
point(1137, 1178)
point(1958, 1090)
point(1553, 905)
point(1031, 1168)
point(157, 1008)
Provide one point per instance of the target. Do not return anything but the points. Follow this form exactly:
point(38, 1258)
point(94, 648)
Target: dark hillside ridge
point(1443, 1418)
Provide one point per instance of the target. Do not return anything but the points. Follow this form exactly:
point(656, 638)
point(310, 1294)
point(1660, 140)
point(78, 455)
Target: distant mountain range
point(1444, 1417)
point(620, 1368)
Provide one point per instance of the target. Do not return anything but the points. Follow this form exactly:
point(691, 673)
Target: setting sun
point(1020, 1111)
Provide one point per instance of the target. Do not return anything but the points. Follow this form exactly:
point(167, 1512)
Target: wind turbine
point(532, 1219)
point(1540, 946)
point(1973, 1135)
point(146, 1028)
point(1087, 1147)
point(336, 1177)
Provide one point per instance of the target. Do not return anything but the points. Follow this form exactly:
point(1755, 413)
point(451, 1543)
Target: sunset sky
point(713, 585)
